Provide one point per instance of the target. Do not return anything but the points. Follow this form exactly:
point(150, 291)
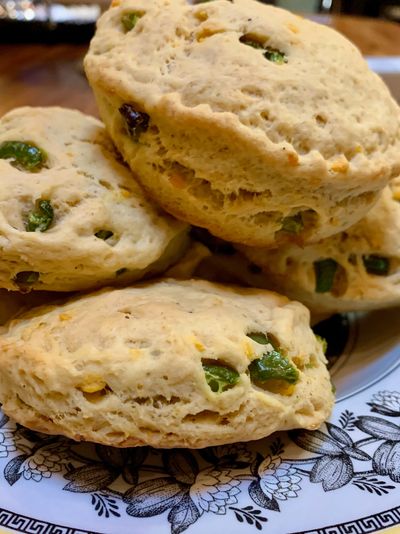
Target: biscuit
point(243, 118)
point(358, 269)
point(71, 215)
point(167, 364)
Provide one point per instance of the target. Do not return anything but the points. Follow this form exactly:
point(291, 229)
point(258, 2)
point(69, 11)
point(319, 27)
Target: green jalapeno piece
point(377, 265)
point(104, 234)
point(259, 337)
point(41, 218)
point(25, 279)
point(249, 41)
point(129, 20)
point(23, 156)
point(272, 54)
point(293, 224)
point(323, 341)
point(273, 365)
point(325, 271)
point(276, 56)
point(220, 377)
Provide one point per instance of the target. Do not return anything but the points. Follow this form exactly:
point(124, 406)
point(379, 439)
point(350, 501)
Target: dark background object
point(369, 8)
point(389, 9)
point(46, 21)
point(335, 331)
point(12, 31)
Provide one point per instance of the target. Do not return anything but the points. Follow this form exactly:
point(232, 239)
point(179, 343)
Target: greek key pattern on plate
point(29, 525)
point(372, 523)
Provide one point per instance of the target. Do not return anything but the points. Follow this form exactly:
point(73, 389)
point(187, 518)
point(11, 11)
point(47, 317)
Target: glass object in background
point(392, 11)
point(372, 8)
point(27, 10)
point(47, 21)
point(19, 10)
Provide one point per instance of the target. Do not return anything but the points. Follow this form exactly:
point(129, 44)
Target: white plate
point(344, 478)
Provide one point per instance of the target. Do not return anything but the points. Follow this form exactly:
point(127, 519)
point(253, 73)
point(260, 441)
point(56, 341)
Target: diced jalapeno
point(325, 271)
point(293, 224)
point(377, 265)
point(136, 121)
point(104, 234)
point(259, 337)
point(249, 41)
point(273, 365)
point(129, 20)
point(41, 218)
point(219, 377)
point(274, 55)
point(323, 341)
point(25, 279)
point(23, 156)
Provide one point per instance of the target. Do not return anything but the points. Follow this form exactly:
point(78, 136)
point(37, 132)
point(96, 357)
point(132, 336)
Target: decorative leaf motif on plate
point(186, 485)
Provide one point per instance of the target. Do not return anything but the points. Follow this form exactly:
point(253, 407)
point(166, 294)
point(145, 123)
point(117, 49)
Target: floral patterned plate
point(343, 478)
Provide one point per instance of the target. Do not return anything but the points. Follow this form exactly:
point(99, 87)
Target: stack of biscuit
point(240, 142)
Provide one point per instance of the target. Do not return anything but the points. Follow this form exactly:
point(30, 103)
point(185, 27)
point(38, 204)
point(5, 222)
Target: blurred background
point(389, 9)
point(73, 20)
point(43, 42)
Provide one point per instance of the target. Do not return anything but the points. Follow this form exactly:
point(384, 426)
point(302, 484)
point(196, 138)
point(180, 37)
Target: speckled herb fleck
point(41, 218)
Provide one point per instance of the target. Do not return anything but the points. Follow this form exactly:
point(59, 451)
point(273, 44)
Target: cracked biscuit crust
point(244, 118)
point(128, 367)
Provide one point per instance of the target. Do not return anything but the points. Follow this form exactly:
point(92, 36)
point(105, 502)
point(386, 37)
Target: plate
point(343, 478)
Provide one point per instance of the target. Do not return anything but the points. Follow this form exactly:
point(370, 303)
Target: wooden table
point(53, 75)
